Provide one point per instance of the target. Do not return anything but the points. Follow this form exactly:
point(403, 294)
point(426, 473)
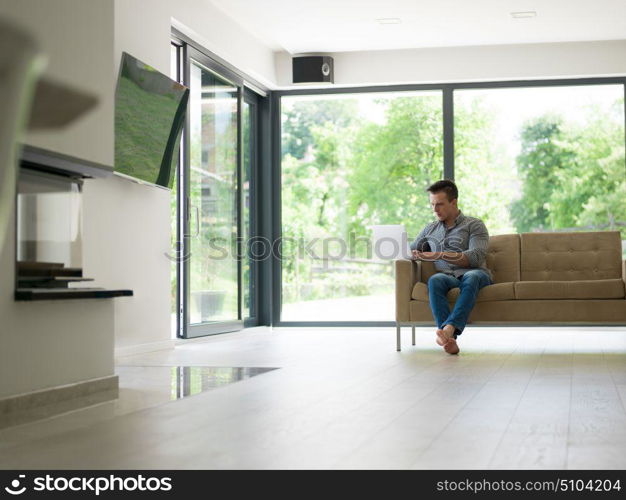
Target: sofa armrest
point(624, 271)
point(408, 272)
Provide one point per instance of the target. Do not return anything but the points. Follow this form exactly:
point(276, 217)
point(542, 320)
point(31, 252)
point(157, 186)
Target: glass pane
point(175, 247)
point(246, 213)
point(174, 61)
point(542, 158)
point(213, 208)
point(350, 162)
point(49, 221)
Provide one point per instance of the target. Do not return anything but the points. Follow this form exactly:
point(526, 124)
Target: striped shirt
point(468, 235)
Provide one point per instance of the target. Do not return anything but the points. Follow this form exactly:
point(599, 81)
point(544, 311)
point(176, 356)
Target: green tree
point(574, 175)
point(596, 191)
point(544, 159)
point(301, 117)
point(393, 163)
point(484, 171)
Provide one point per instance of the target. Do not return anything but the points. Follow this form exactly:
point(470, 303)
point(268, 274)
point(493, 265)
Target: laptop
point(390, 242)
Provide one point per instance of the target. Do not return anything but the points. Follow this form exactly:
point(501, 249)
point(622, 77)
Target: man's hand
point(457, 258)
point(430, 256)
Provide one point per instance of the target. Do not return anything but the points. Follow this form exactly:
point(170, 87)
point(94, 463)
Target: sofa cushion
point(497, 291)
point(582, 289)
point(503, 257)
point(420, 292)
point(571, 256)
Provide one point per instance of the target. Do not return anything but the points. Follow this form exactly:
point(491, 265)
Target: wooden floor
point(542, 397)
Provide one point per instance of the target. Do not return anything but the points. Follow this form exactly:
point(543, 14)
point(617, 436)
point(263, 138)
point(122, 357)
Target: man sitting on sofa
point(458, 246)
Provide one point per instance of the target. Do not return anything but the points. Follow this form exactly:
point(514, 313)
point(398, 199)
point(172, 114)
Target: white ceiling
point(305, 26)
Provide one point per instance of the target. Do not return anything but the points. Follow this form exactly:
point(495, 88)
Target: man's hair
point(447, 187)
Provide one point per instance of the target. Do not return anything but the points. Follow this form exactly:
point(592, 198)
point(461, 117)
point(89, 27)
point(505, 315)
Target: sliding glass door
point(249, 205)
point(215, 205)
point(212, 268)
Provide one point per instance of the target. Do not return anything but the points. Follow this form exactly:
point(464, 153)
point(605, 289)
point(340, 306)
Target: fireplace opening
point(49, 228)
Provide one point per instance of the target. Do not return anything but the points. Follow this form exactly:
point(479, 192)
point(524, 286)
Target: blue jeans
point(438, 287)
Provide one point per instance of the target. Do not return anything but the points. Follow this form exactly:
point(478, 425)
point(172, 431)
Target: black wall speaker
point(313, 69)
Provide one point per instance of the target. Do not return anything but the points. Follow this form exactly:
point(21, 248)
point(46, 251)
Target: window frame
point(188, 48)
point(447, 90)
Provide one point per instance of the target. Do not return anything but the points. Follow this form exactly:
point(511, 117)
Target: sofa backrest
point(503, 257)
point(571, 256)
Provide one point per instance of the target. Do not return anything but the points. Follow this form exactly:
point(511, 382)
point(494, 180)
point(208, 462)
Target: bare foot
point(440, 339)
point(444, 334)
point(449, 330)
point(451, 347)
point(446, 339)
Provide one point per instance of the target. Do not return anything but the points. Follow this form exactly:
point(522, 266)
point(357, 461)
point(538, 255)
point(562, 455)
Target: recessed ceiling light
point(389, 20)
point(523, 15)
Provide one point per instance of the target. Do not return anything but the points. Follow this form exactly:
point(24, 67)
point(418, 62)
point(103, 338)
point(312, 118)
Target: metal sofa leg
point(397, 337)
point(413, 333)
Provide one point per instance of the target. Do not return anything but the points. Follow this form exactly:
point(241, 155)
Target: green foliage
point(393, 163)
point(574, 176)
point(544, 156)
point(300, 118)
point(314, 191)
point(342, 173)
point(328, 188)
point(354, 281)
point(481, 167)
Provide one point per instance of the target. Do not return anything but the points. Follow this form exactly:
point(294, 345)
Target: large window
point(349, 162)
point(528, 157)
point(542, 158)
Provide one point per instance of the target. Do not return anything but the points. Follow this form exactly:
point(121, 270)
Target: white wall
point(143, 29)
point(135, 258)
point(224, 37)
point(127, 234)
point(77, 38)
point(51, 343)
point(467, 64)
point(126, 225)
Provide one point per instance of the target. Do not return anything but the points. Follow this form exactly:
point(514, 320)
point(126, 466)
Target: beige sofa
point(542, 278)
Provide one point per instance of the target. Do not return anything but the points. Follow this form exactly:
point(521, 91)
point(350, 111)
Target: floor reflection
point(190, 380)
